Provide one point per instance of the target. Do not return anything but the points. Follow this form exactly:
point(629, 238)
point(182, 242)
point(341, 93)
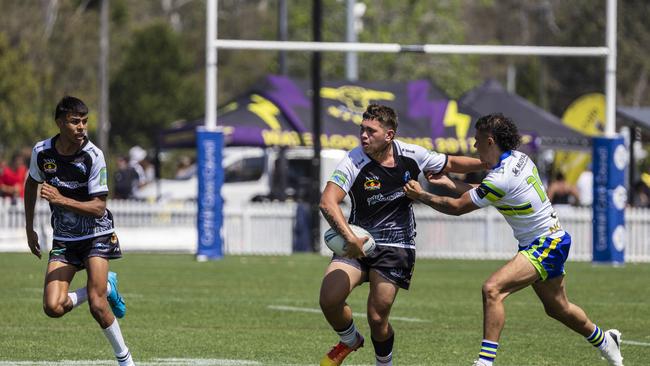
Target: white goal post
point(613, 239)
point(213, 44)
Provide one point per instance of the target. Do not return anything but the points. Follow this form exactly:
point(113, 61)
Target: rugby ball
point(337, 244)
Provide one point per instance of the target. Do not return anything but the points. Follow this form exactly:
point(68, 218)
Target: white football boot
point(612, 350)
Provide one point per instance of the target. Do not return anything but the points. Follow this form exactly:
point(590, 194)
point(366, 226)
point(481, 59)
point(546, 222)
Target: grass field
point(264, 311)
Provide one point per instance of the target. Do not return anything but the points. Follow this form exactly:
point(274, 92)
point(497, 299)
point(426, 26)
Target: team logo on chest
point(372, 184)
point(49, 166)
point(80, 165)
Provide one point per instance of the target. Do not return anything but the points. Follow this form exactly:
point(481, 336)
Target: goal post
point(608, 52)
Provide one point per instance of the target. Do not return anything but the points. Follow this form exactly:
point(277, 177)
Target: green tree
point(152, 88)
point(18, 90)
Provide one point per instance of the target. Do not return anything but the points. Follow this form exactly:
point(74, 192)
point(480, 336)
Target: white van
point(254, 174)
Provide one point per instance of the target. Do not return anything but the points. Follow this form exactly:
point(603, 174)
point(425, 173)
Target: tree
point(152, 88)
point(18, 89)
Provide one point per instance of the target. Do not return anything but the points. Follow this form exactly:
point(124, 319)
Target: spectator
point(138, 161)
point(585, 187)
point(640, 195)
point(12, 177)
point(186, 168)
point(561, 192)
point(126, 179)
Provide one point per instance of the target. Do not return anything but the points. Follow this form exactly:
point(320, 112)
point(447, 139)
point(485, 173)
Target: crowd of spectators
point(12, 176)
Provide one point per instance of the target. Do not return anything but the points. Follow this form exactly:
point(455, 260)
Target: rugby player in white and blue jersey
point(73, 175)
point(514, 188)
point(373, 174)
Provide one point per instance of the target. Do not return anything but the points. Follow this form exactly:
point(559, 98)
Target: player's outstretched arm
point(442, 180)
point(96, 207)
point(446, 205)
point(332, 196)
point(463, 164)
point(31, 189)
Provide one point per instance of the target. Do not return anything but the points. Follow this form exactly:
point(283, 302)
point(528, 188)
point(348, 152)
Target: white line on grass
point(635, 343)
point(312, 310)
point(155, 362)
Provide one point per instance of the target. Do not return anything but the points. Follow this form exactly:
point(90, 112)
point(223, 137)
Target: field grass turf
point(178, 308)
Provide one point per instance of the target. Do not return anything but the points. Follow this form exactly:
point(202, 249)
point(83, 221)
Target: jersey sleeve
point(431, 160)
point(344, 174)
point(98, 179)
point(489, 192)
point(34, 171)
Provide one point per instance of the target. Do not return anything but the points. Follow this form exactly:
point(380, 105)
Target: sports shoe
point(114, 299)
point(339, 352)
point(479, 362)
point(612, 350)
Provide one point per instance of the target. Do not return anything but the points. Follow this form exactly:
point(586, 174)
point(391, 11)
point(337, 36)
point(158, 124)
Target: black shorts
point(76, 252)
point(393, 263)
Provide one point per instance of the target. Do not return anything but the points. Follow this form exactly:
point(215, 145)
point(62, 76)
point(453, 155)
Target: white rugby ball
point(337, 244)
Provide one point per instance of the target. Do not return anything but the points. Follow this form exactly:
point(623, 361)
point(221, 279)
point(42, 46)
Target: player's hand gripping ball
point(337, 244)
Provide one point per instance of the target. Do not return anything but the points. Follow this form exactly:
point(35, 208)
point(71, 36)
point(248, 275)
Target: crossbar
point(235, 44)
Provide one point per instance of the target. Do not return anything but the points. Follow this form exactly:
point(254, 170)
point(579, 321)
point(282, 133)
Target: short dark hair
point(384, 114)
point(72, 105)
point(502, 128)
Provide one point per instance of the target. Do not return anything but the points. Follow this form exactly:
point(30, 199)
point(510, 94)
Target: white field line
point(635, 343)
point(360, 315)
point(155, 362)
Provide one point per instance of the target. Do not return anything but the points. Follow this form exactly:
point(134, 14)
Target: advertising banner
point(210, 203)
point(610, 158)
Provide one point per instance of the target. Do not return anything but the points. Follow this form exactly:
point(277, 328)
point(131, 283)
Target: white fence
point(267, 228)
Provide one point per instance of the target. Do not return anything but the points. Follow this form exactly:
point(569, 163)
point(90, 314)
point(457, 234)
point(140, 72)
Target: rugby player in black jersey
point(73, 175)
point(374, 174)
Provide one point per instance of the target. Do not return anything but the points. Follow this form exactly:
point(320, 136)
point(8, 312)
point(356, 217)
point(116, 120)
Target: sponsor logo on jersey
point(339, 178)
point(520, 164)
point(49, 166)
point(70, 185)
point(373, 200)
point(372, 184)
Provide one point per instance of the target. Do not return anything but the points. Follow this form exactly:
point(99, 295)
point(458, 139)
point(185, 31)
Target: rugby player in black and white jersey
point(73, 175)
point(374, 174)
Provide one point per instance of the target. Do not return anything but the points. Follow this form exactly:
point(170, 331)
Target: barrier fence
point(268, 229)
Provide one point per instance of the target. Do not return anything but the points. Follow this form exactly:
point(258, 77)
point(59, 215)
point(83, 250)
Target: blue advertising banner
point(209, 146)
point(610, 158)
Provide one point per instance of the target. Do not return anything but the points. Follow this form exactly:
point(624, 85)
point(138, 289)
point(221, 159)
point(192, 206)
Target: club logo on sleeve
point(339, 178)
point(372, 184)
point(407, 176)
point(102, 177)
point(49, 166)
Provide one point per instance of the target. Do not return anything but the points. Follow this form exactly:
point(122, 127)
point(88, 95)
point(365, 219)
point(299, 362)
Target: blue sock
point(488, 351)
point(597, 337)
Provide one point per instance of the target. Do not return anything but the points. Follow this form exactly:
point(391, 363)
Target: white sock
point(114, 336)
point(384, 360)
point(78, 297)
point(349, 336)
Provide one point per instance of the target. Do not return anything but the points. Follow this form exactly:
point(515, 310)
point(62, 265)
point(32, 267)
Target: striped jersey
point(379, 203)
point(514, 188)
point(82, 177)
